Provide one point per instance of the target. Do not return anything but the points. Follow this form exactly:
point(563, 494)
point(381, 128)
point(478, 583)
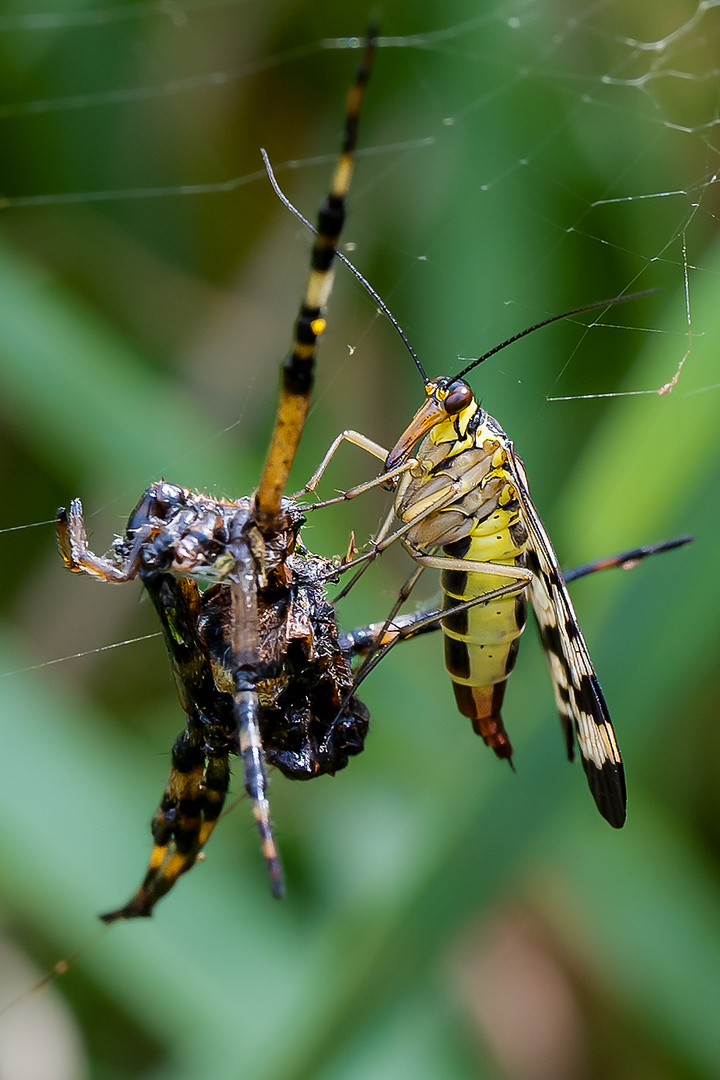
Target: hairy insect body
point(254, 651)
point(310, 722)
point(463, 461)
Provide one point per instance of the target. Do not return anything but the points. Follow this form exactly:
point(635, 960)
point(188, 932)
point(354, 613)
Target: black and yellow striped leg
point(198, 782)
point(192, 802)
point(299, 368)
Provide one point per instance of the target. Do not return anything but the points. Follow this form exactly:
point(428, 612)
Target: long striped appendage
point(255, 777)
point(187, 814)
point(299, 368)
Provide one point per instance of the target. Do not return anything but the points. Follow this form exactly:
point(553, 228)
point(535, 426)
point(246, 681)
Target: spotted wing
point(578, 695)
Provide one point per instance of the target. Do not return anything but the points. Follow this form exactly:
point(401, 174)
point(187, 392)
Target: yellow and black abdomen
point(481, 642)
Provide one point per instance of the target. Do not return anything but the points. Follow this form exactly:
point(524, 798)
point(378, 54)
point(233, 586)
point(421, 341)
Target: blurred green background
point(445, 918)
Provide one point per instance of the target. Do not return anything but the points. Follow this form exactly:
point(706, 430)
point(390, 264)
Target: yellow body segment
point(491, 628)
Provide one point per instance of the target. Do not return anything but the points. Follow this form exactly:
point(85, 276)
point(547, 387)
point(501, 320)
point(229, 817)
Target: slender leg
point(356, 439)
point(626, 560)
point(251, 751)
point(376, 640)
point(187, 814)
point(245, 647)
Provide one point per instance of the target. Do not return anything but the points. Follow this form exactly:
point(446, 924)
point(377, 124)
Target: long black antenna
point(353, 269)
point(389, 315)
point(552, 319)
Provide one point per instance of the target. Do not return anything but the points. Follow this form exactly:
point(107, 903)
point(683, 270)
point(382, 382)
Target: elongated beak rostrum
point(446, 397)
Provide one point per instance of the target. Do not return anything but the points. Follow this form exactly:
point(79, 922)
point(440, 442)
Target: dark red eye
point(459, 396)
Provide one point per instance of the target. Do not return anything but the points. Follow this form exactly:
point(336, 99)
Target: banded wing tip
point(607, 784)
point(599, 750)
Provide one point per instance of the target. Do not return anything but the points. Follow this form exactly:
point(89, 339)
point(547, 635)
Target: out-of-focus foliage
point(445, 918)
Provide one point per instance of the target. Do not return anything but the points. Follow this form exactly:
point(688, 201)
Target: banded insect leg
point(247, 548)
point(298, 371)
point(192, 802)
point(199, 777)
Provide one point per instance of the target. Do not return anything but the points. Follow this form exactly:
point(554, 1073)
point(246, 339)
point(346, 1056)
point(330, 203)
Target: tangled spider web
point(516, 162)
